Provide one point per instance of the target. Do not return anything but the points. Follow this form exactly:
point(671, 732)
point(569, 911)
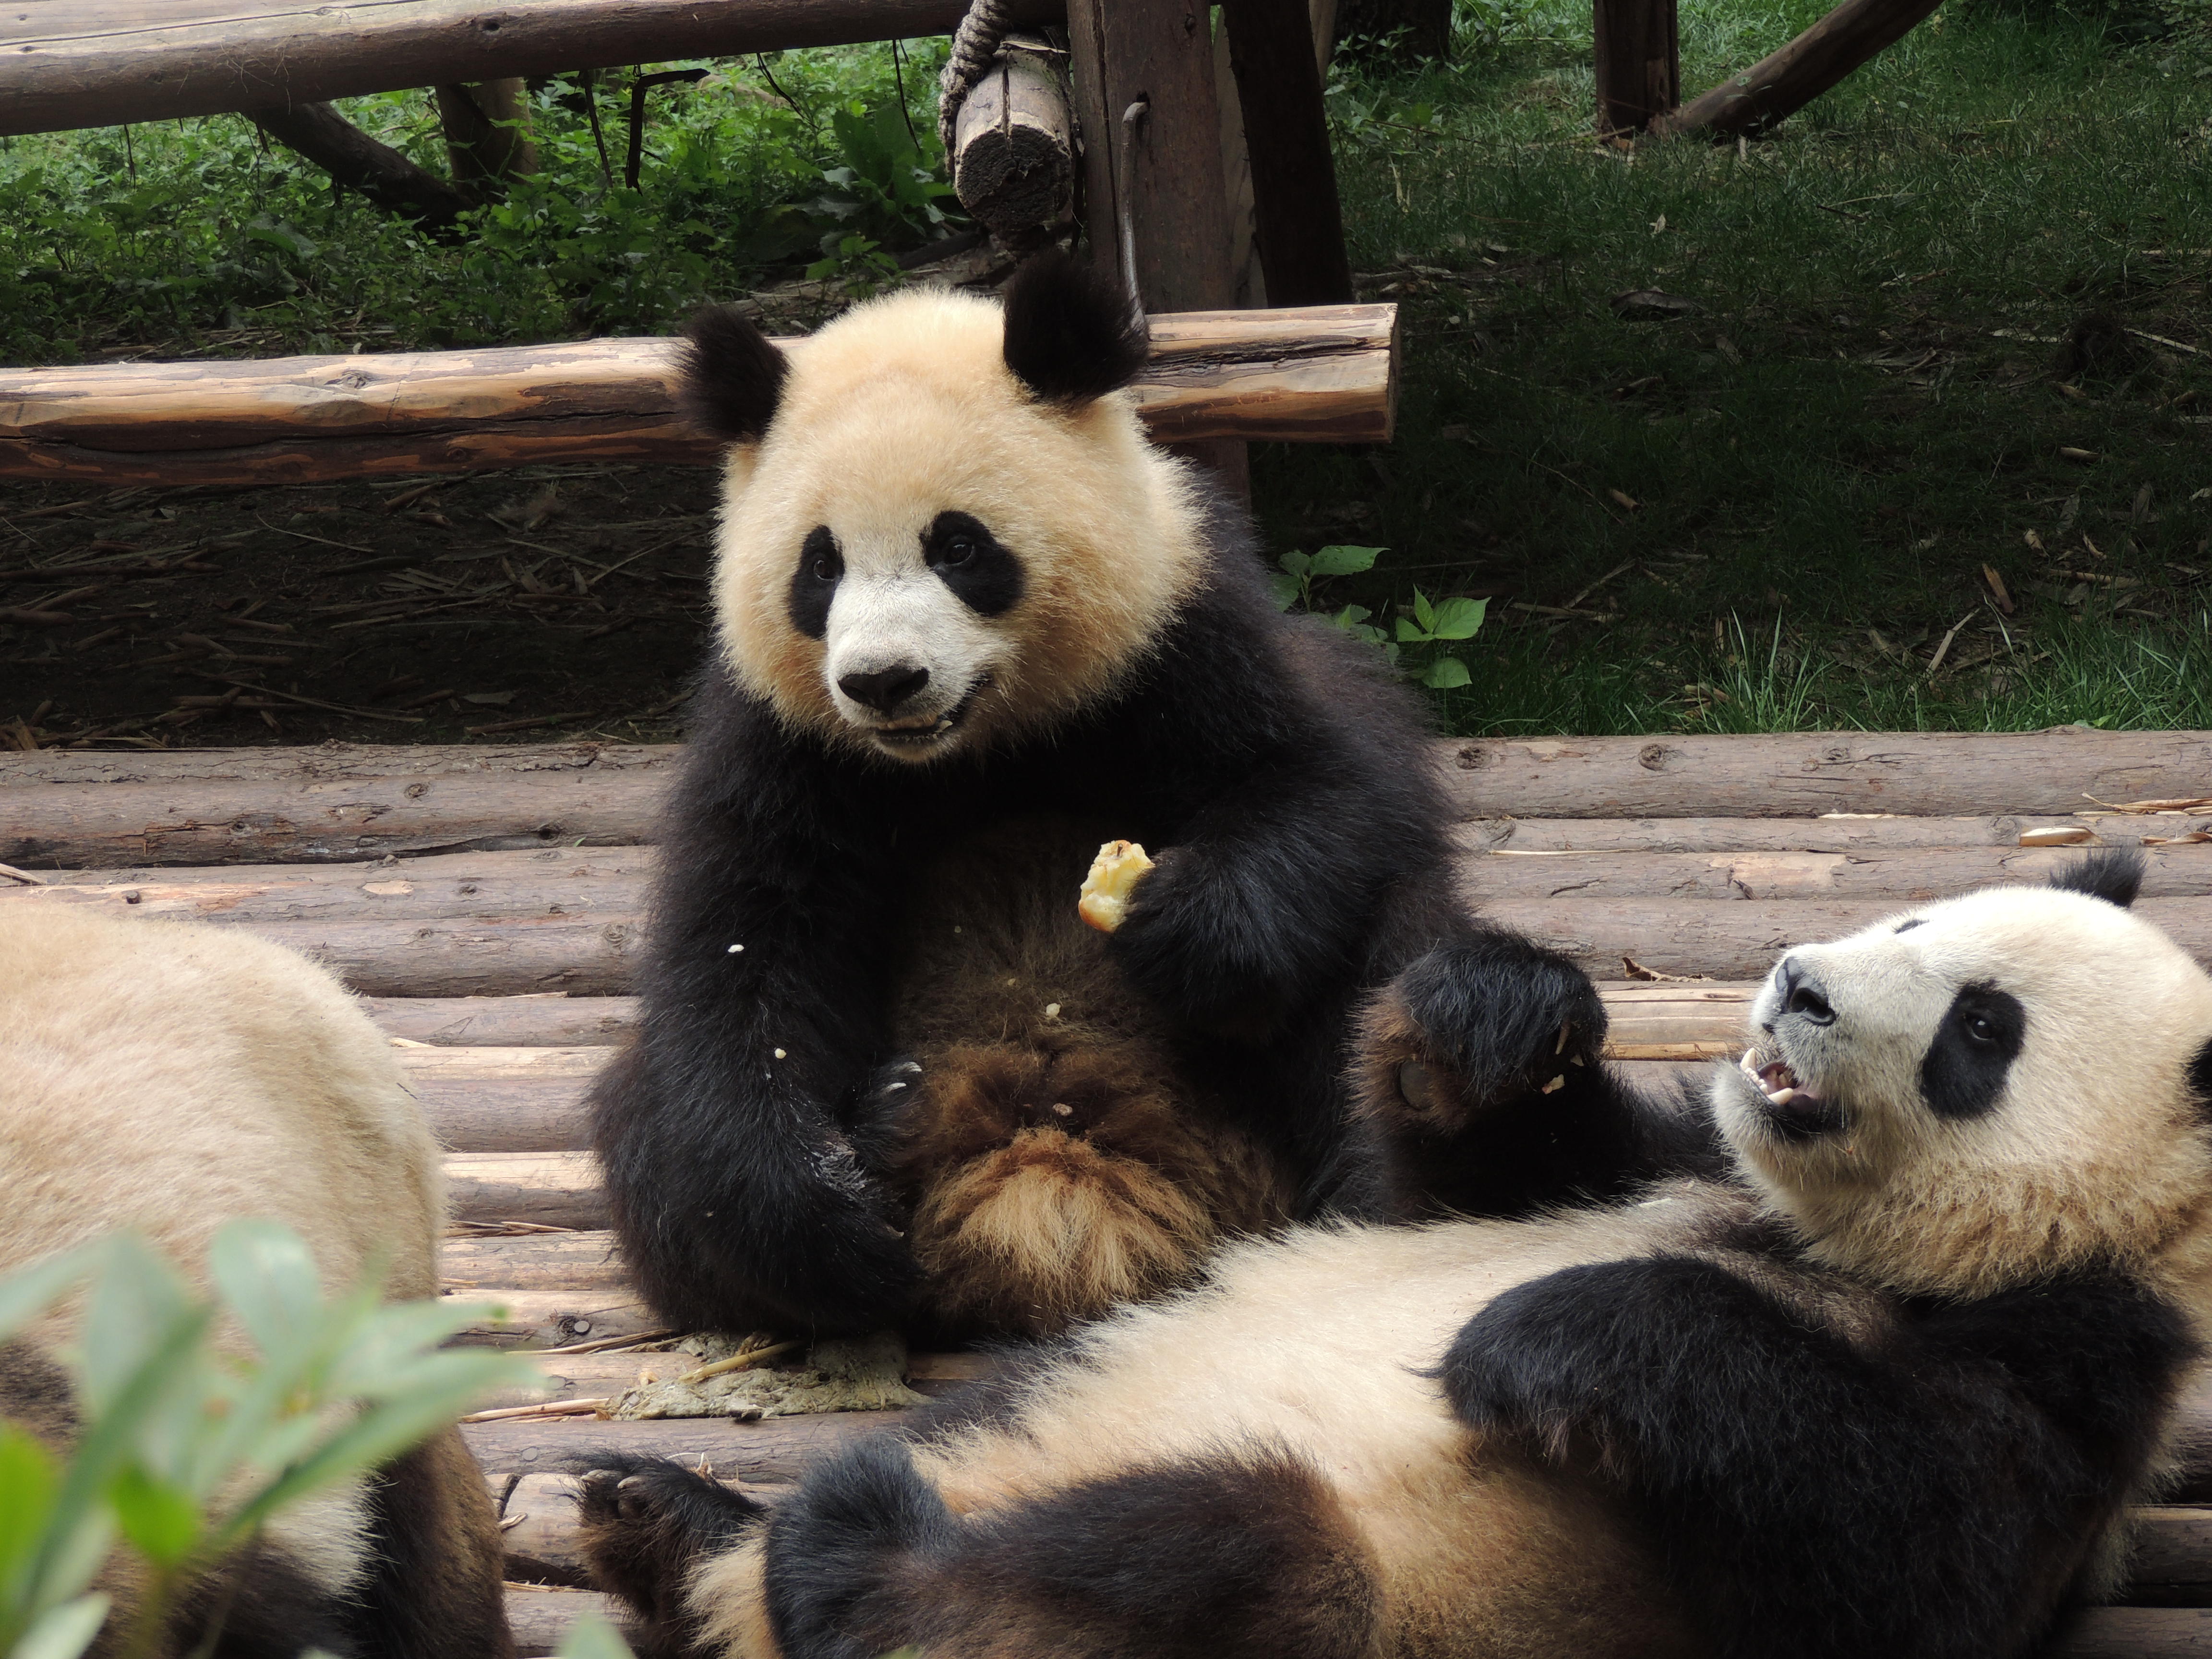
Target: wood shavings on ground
point(864, 1373)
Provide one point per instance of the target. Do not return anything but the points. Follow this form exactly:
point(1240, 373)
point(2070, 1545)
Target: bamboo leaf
point(592, 1637)
point(161, 1521)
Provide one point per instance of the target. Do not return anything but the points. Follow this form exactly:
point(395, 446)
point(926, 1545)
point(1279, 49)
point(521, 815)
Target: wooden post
point(487, 128)
point(1639, 64)
point(1151, 182)
point(1786, 81)
point(1300, 227)
point(1013, 147)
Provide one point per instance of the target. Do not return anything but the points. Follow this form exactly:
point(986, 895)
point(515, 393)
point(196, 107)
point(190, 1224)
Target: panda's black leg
point(1478, 1074)
point(644, 1522)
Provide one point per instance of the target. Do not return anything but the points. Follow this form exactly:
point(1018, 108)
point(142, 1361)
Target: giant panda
point(170, 1080)
point(1881, 1383)
point(970, 625)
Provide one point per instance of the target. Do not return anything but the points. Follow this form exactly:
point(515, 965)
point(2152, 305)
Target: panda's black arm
point(723, 1130)
point(1481, 1089)
point(1296, 795)
point(1932, 1497)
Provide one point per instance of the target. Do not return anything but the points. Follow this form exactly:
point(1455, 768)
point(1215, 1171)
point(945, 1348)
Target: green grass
point(1770, 511)
point(1864, 409)
point(197, 237)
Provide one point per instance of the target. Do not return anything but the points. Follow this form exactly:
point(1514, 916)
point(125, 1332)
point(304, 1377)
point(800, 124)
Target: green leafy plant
point(1432, 623)
point(185, 1453)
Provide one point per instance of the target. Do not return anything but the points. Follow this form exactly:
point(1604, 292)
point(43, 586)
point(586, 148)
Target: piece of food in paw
point(1114, 876)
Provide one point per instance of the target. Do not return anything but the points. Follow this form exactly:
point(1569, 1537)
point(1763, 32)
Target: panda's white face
point(921, 557)
point(1981, 1091)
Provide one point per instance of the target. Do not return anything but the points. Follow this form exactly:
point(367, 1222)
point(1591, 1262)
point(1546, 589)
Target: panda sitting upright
point(1881, 1383)
point(971, 625)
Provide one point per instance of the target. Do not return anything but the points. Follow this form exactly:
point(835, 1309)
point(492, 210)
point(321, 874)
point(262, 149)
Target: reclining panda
point(1875, 1372)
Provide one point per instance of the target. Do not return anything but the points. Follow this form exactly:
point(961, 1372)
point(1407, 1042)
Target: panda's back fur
point(171, 1076)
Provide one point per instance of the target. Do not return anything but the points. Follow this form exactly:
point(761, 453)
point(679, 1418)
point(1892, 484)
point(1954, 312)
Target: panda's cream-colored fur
point(169, 1077)
point(1317, 1343)
point(2094, 1154)
point(915, 382)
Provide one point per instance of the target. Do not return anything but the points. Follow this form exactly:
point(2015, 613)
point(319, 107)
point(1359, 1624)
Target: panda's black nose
point(1802, 994)
point(885, 690)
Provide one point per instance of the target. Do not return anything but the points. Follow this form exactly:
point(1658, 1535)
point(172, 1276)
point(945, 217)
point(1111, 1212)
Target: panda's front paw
point(643, 1523)
point(1486, 1022)
point(1537, 1363)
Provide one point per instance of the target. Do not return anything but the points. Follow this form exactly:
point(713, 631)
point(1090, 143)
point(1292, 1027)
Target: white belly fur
point(1315, 1342)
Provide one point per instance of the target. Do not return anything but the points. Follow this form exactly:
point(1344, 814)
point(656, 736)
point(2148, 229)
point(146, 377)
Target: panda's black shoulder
point(1231, 656)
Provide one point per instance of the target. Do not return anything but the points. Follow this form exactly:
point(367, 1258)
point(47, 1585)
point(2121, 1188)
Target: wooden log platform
point(1315, 374)
point(487, 902)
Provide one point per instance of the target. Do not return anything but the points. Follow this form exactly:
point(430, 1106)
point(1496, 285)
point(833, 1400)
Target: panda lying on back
point(1882, 1386)
point(970, 625)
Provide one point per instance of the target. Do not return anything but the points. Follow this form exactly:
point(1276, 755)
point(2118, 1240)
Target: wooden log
point(1643, 1015)
point(1908, 877)
point(337, 803)
point(505, 1100)
point(1743, 940)
point(547, 1019)
point(1639, 63)
point(96, 63)
point(539, 1615)
point(548, 1319)
point(1014, 149)
point(553, 1189)
point(1715, 938)
point(1298, 223)
point(207, 807)
point(2136, 1633)
point(1319, 375)
point(2171, 1565)
point(571, 1261)
point(359, 163)
point(1784, 82)
point(376, 892)
point(774, 1452)
point(2067, 769)
point(1845, 833)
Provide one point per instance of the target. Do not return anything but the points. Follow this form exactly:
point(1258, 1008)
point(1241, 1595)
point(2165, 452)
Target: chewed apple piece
point(1114, 876)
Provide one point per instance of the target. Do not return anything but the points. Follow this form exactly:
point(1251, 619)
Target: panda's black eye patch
point(814, 583)
point(969, 560)
point(1907, 926)
point(1963, 1073)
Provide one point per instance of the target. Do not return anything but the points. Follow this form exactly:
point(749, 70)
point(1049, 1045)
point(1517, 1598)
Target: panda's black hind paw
point(644, 1522)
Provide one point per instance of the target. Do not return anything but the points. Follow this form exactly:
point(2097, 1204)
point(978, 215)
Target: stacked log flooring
point(487, 903)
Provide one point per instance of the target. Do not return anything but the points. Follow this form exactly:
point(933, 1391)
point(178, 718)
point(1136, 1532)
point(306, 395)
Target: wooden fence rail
point(1321, 374)
point(98, 63)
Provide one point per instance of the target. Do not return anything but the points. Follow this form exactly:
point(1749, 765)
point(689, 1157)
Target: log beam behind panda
point(1887, 1385)
point(172, 1080)
point(970, 625)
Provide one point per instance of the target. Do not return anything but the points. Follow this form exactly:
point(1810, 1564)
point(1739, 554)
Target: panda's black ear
point(1072, 334)
point(729, 376)
point(2114, 874)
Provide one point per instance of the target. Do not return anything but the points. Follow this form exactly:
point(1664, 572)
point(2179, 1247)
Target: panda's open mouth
point(920, 733)
point(1797, 1113)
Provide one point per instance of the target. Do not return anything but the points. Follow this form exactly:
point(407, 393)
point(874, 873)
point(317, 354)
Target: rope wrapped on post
point(1009, 139)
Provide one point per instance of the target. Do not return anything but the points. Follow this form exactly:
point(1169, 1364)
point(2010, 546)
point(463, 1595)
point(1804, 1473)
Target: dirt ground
point(555, 602)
